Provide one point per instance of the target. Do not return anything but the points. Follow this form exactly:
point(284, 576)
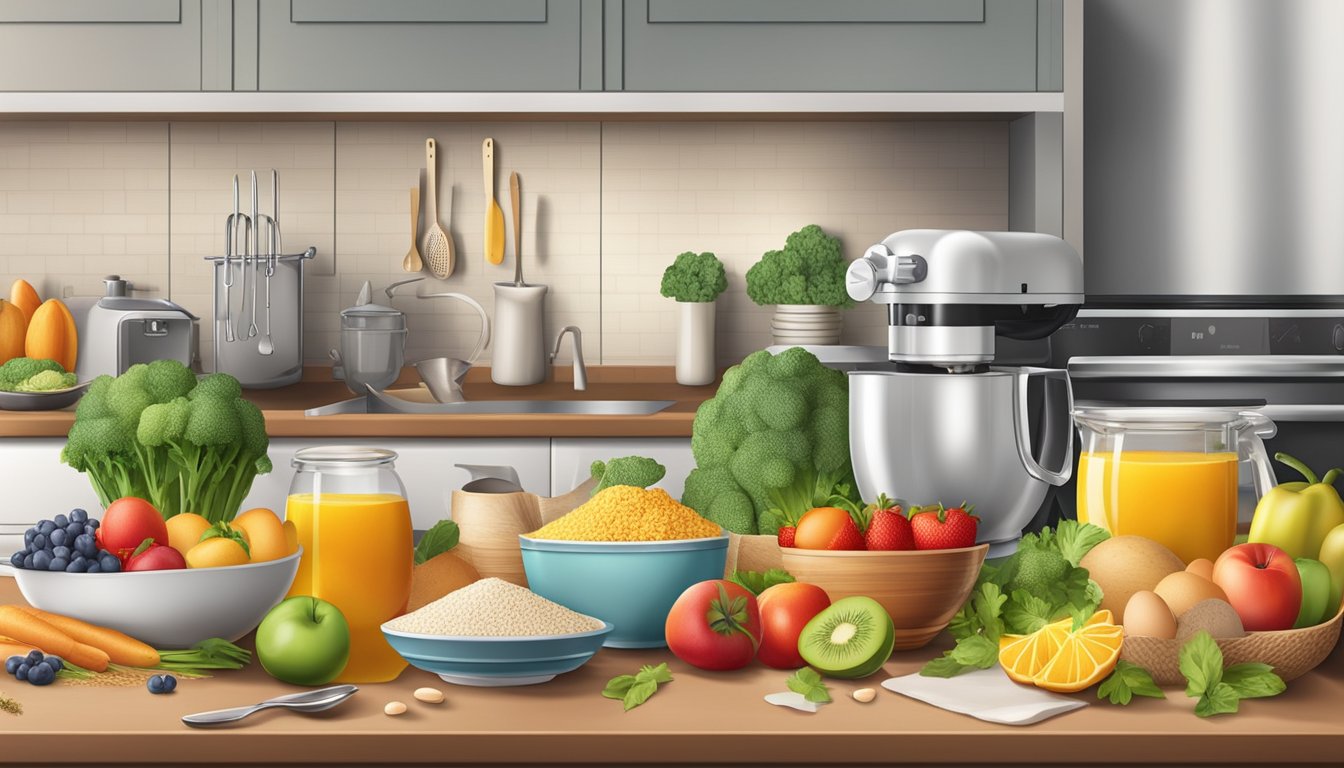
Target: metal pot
point(373, 346)
point(954, 437)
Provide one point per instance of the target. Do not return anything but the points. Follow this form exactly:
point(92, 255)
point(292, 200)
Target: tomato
point(714, 625)
point(129, 521)
point(1262, 584)
point(785, 610)
point(818, 527)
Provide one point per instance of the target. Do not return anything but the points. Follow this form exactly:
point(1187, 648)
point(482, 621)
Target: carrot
point(27, 628)
point(15, 649)
point(119, 647)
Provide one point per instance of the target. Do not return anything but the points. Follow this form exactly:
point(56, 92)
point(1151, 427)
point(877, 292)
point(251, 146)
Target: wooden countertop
point(699, 717)
point(284, 409)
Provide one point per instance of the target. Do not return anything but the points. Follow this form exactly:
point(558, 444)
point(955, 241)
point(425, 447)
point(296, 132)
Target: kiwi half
point(852, 638)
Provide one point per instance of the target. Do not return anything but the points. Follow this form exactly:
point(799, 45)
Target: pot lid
point(370, 310)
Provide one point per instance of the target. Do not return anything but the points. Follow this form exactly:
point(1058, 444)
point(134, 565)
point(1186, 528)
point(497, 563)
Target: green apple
point(1316, 587)
point(304, 641)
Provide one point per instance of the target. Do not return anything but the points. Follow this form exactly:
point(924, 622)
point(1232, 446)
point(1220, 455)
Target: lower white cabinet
point(571, 458)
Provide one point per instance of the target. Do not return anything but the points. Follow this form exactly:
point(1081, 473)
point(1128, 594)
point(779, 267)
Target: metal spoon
point(308, 701)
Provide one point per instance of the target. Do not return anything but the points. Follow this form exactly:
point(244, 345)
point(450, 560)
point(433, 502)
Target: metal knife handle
point(221, 716)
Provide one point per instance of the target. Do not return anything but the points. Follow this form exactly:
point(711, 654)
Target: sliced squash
point(13, 331)
point(52, 335)
point(24, 296)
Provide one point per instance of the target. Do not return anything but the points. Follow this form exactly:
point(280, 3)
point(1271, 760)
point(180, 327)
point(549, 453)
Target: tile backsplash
point(606, 207)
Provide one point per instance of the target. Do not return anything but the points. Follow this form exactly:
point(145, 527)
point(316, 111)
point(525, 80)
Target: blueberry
point(34, 657)
point(41, 675)
point(58, 564)
point(28, 560)
point(91, 524)
point(54, 662)
point(169, 683)
point(21, 672)
point(79, 516)
point(57, 538)
point(46, 526)
point(28, 536)
point(93, 568)
point(40, 541)
point(74, 529)
point(78, 565)
point(12, 664)
point(61, 521)
point(110, 563)
point(86, 545)
point(155, 684)
point(41, 560)
point(16, 559)
point(61, 552)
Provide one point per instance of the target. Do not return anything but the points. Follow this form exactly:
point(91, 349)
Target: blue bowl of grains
point(494, 633)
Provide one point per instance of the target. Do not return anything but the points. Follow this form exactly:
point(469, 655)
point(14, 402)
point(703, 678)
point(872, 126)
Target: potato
point(1123, 565)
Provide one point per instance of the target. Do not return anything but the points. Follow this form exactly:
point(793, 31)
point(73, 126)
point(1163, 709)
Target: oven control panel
point(1109, 334)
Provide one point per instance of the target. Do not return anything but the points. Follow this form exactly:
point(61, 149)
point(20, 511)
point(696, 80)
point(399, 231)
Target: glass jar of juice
point(354, 524)
point(1170, 474)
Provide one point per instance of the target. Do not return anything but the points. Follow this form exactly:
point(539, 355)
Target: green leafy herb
point(756, 582)
point(1219, 690)
point(438, 539)
point(1027, 613)
point(636, 689)
point(977, 651)
point(1075, 540)
point(1127, 681)
point(944, 666)
point(807, 681)
point(212, 653)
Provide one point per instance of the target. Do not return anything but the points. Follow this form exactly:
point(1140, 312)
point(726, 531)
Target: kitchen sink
point(384, 403)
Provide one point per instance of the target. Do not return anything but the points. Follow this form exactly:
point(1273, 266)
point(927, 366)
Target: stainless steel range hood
point(1214, 152)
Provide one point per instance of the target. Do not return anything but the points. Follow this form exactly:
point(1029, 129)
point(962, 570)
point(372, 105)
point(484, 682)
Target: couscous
point(627, 513)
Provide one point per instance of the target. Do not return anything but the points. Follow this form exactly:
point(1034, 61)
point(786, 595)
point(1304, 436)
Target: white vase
point(695, 342)
point(806, 324)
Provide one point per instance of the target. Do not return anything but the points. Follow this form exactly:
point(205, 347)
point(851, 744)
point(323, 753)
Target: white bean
point(865, 695)
point(429, 695)
point(394, 708)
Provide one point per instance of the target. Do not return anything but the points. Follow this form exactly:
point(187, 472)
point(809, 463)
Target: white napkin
point(986, 694)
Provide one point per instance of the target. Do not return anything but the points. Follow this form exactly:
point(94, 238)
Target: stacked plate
point(806, 324)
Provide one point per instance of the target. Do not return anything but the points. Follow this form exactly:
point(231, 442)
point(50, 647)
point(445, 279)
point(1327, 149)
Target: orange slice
point(1059, 658)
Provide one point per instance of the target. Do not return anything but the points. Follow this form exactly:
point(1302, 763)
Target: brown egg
point(1181, 590)
point(1201, 567)
point(1147, 615)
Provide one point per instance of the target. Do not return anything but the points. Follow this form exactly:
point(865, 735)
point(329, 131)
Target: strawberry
point(788, 526)
point(888, 527)
point(848, 537)
point(942, 528)
point(786, 534)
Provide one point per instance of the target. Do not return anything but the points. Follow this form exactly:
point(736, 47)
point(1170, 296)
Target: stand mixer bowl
point(961, 437)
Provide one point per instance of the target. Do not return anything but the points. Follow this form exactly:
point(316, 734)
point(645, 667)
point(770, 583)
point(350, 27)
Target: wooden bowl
point(921, 589)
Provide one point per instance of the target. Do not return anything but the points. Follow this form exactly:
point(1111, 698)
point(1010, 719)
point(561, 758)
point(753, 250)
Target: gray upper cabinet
point(838, 45)
point(424, 45)
point(101, 45)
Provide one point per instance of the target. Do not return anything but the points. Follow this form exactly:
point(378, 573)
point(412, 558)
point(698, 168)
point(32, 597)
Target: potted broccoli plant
point(695, 280)
point(806, 283)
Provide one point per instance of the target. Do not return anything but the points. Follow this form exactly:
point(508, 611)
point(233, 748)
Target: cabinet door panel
point(100, 45)
point(846, 45)
point(419, 45)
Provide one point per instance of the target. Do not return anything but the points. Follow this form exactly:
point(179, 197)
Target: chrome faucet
point(580, 372)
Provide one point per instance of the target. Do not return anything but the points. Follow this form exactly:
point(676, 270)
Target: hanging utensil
point(230, 227)
point(515, 196)
point(413, 262)
point(255, 251)
point(494, 215)
point(438, 245)
point(266, 345)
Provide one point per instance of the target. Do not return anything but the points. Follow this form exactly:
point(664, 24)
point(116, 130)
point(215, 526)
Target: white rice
point(493, 608)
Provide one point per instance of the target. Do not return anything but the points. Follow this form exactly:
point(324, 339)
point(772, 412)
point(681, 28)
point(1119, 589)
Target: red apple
point(785, 610)
point(1262, 584)
point(156, 557)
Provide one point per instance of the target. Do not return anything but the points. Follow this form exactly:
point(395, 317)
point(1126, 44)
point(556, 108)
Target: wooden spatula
point(494, 215)
point(438, 245)
point(412, 262)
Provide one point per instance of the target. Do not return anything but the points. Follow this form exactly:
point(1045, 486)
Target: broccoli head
point(809, 270)
point(694, 277)
point(46, 381)
point(20, 369)
point(638, 471)
point(772, 443)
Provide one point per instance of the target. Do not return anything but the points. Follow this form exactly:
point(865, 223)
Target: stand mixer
point(944, 426)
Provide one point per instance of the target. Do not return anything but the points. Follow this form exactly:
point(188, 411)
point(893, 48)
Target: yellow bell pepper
point(1295, 517)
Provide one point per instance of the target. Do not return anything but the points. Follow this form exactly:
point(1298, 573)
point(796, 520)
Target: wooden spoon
point(413, 262)
point(438, 245)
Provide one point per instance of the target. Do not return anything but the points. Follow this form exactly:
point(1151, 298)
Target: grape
point(41, 674)
point(46, 526)
point(16, 559)
point(58, 564)
point(12, 664)
point(79, 516)
point(62, 552)
point(86, 545)
point(57, 538)
point(61, 521)
point(41, 559)
point(40, 541)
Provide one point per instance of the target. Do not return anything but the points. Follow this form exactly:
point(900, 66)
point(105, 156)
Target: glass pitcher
point(1170, 474)
point(354, 524)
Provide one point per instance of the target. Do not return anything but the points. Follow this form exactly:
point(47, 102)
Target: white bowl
point(166, 609)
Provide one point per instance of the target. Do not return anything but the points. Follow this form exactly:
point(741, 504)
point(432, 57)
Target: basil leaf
point(808, 682)
point(757, 582)
point(1201, 664)
point(639, 693)
point(1221, 699)
point(987, 603)
point(658, 674)
point(1253, 680)
point(1127, 681)
point(977, 651)
point(1025, 613)
point(438, 539)
point(943, 666)
point(618, 686)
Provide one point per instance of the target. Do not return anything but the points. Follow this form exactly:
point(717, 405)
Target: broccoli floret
point(154, 432)
point(773, 442)
point(638, 471)
point(18, 370)
point(46, 381)
point(1038, 568)
point(694, 277)
point(809, 270)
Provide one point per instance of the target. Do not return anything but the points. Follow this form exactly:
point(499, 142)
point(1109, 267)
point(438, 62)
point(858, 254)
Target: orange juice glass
point(1169, 474)
point(354, 525)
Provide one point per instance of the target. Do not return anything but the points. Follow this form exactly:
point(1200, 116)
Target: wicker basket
point(1292, 652)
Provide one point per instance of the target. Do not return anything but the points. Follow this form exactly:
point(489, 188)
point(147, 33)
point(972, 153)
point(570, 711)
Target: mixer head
point(951, 292)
